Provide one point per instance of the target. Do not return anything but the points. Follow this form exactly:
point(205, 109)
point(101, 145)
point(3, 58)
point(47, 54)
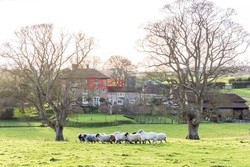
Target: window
point(85, 101)
point(120, 102)
point(96, 101)
point(121, 94)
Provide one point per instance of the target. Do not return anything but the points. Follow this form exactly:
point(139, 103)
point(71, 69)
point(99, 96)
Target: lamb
point(147, 136)
point(119, 137)
point(105, 138)
point(133, 137)
point(161, 136)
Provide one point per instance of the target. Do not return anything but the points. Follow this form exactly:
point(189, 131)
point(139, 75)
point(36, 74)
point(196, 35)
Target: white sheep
point(147, 136)
point(105, 138)
point(119, 137)
point(161, 136)
point(133, 137)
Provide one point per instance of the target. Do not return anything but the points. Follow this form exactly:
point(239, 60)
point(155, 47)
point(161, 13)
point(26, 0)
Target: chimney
point(74, 67)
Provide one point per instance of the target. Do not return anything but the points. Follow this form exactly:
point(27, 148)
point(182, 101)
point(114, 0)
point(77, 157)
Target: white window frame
point(120, 94)
point(85, 100)
point(96, 101)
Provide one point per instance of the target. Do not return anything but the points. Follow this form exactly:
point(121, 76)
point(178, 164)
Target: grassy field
point(243, 92)
point(220, 145)
point(74, 120)
point(97, 120)
point(227, 78)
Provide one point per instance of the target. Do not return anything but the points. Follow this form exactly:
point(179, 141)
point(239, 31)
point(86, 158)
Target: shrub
point(102, 99)
point(104, 109)
point(7, 113)
point(217, 85)
point(241, 84)
point(231, 81)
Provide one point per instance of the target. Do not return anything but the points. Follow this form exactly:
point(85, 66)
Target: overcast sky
point(115, 24)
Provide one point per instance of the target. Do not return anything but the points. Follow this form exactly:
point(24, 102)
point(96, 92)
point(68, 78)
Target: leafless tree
point(196, 41)
point(40, 55)
point(119, 66)
point(94, 62)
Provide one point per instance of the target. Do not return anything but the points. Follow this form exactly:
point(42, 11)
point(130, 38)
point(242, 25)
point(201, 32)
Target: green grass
point(220, 145)
point(227, 78)
point(243, 92)
point(29, 112)
point(77, 120)
point(19, 123)
point(96, 120)
point(150, 119)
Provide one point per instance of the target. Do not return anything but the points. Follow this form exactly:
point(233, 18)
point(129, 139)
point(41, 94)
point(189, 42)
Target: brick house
point(77, 77)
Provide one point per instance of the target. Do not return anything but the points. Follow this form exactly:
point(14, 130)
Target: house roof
point(221, 100)
point(230, 101)
point(228, 96)
point(235, 98)
point(229, 106)
point(83, 73)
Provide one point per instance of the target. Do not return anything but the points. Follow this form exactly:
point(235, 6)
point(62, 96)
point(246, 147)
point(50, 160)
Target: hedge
point(7, 113)
point(241, 84)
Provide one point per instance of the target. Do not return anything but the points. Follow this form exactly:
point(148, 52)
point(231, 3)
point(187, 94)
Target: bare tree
point(119, 66)
point(40, 55)
point(94, 62)
point(196, 41)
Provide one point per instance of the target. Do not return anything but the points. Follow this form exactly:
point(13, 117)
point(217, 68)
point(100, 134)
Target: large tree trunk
point(193, 118)
point(59, 132)
point(192, 131)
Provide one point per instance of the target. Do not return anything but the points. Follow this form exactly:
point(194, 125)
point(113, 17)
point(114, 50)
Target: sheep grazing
point(106, 138)
point(80, 137)
point(90, 138)
point(140, 136)
point(161, 136)
point(133, 137)
point(119, 137)
point(112, 139)
point(147, 136)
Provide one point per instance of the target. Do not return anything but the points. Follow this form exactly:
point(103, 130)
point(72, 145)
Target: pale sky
point(115, 24)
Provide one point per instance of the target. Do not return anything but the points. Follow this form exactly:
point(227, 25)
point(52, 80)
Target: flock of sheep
point(117, 137)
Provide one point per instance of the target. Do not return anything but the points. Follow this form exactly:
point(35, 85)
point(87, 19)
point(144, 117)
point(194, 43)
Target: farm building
point(229, 106)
